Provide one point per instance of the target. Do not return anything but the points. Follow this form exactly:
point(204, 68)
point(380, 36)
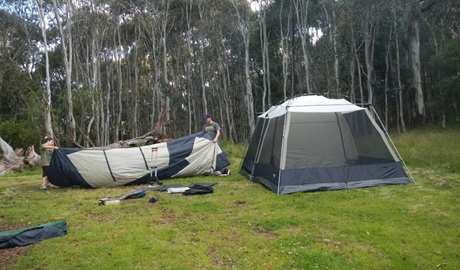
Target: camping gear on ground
point(164, 188)
point(109, 201)
point(176, 190)
point(199, 189)
point(154, 199)
point(192, 189)
point(191, 155)
point(31, 235)
point(135, 194)
point(313, 143)
point(138, 193)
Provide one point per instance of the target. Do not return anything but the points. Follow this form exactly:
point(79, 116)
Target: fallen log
point(16, 160)
point(151, 137)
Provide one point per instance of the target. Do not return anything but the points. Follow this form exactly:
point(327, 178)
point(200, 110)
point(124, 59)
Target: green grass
point(242, 225)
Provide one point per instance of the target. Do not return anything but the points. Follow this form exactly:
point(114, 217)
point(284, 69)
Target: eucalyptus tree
point(329, 8)
point(165, 4)
point(227, 51)
point(226, 84)
point(202, 43)
point(65, 10)
point(243, 12)
point(21, 97)
point(262, 15)
point(188, 91)
point(414, 59)
point(285, 34)
point(401, 124)
point(41, 8)
point(356, 44)
point(14, 63)
point(442, 24)
point(93, 30)
point(370, 27)
point(301, 12)
point(387, 75)
point(152, 30)
point(365, 22)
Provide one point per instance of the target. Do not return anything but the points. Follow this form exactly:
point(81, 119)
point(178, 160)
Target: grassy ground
point(242, 225)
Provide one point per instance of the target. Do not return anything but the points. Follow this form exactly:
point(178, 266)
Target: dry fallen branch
point(16, 160)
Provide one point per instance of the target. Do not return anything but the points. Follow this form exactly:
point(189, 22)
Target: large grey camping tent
point(314, 143)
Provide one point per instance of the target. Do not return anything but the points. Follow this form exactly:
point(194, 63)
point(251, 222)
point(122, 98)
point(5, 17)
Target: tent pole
point(393, 144)
point(256, 157)
point(244, 155)
point(214, 158)
point(279, 180)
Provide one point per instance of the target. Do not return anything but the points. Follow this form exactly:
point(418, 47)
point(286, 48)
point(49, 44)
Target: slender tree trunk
point(414, 61)
point(93, 65)
point(166, 4)
point(332, 33)
point(47, 100)
point(352, 79)
point(120, 83)
point(369, 29)
point(328, 76)
point(230, 120)
point(387, 70)
point(67, 47)
point(358, 64)
point(265, 53)
point(189, 90)
point(302, 16)
point(336, 58)
point(285, 50)
point(155, 91)
point(262, 26)
point(398, 72)
point(243, 23)
point(136, 132)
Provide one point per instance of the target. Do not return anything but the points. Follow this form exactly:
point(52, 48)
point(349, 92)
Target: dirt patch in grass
point(9, 254)
point(239, 204)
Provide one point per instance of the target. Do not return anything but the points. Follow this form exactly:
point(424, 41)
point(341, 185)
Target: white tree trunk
point(369, 29)
point(285, 50)
point(301, 7)
point(67, 47)
point(47, 101)
point(243, 23)
point(398, 70)
point(414, 60)
point(332, 26)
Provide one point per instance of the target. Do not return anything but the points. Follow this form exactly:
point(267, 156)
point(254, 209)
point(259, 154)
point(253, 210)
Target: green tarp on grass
point(31, 235)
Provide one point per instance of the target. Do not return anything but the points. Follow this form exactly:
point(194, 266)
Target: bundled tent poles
point(138, 193)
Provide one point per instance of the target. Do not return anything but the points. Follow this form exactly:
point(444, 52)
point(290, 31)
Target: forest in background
point(93, 72)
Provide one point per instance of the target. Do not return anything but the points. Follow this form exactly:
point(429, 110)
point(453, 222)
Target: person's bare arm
point(217, 136)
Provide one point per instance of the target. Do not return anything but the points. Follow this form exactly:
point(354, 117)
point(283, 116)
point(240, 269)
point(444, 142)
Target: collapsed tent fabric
point(31, 235)
point(313, 143)
point(191, 155)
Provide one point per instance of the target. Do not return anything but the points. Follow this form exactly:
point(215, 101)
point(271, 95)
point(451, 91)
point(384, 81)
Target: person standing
point(212, 128)
point(46, 150)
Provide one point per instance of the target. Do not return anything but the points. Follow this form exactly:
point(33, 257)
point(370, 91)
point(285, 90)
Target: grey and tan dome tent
point(313, 143)
point(191, 155)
